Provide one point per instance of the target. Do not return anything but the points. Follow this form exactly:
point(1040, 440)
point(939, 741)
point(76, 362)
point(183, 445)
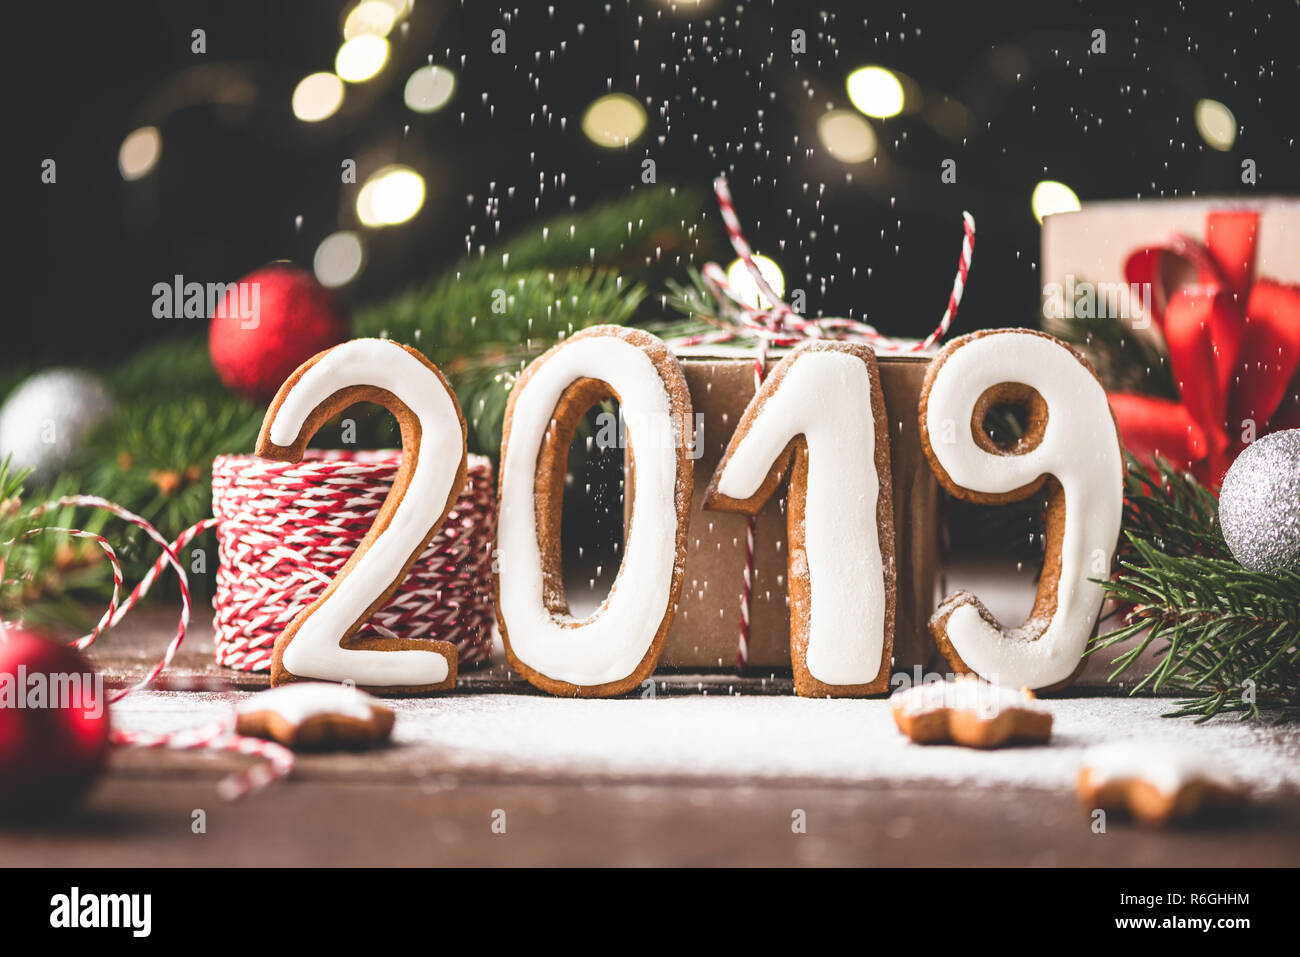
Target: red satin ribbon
point(1234, 347)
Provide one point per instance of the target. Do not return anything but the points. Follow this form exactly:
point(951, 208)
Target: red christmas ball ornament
point(268, 324)
point(54, 724)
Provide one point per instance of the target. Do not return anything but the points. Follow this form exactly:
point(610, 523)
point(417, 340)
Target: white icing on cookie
point(1080, 448)
point(300, 700)
point(609, 644)
point(315, 651)
point(965, 693)
point(825, 396)
point(1166, 766)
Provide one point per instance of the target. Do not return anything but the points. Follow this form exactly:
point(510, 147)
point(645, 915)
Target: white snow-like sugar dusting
point(965, 693)
point(766, 738)
point(301, 700)
point(1165, 767)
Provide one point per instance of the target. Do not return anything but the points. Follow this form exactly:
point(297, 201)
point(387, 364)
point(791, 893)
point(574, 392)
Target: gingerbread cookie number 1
point(1072, 445)
point(820, 416)
point(321, 643)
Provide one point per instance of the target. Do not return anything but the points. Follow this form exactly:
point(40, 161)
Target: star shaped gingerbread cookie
point(315, 716)
point(1155, 782)
point(971, 712)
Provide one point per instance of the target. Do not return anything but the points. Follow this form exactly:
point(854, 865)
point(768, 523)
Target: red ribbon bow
point(1234, 346)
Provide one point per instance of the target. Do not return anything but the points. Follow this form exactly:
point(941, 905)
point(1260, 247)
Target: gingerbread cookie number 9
point(617, 647)
point(1071, 445)
point(321, 642)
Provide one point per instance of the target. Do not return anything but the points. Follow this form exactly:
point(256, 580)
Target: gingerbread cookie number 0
point(617, 647)
point(321, 642)
point(1071, 445)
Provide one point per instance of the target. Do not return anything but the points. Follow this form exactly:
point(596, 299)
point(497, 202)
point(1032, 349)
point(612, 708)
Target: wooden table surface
point(382, 809)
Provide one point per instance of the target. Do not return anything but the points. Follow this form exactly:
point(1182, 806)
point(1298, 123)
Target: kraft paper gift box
point(705, 632)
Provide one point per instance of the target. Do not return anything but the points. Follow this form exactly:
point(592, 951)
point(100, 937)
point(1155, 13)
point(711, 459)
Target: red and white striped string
point(85, 641)
point(746, 594)
point(777, 324)
point(275, 764)
point(277, 761)
point(284, 530)
point(115, 614)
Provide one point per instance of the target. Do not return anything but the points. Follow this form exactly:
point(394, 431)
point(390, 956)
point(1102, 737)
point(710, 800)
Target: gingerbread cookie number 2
point(820, 416)
point(617, 647)
point(321, 642)
point(1071, 444)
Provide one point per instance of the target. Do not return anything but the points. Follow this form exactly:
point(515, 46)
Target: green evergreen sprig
point(1226, 637)
point(1126, 360)
point(482, 331)
point(46, 573)
point(485, 318)
point(155, 455)
point(171, 368)
point(652, 231)
point(1171, 510)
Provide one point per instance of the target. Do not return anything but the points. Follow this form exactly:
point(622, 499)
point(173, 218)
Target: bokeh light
point(139, 153)
point(429, 89)
point(1216, 124)
point(390, 196)
point(686, 8)
point(1052, 197)
point(875, 91)
point(338, 259)
point(614, 120)
point(317, 97)
point(370, 18)
point(743, 285)
point(360, 58)
point(846, 136)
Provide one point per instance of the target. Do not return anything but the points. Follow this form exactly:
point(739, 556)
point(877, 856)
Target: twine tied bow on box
point(778, 324)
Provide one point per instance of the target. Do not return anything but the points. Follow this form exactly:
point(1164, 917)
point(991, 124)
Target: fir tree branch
point(174, 367)
point(482, 331)
point(649, 230)
point(1125, 360)
point(45, 572)
point(1226, 637)
point(155, 457)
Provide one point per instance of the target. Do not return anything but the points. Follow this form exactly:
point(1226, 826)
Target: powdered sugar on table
point(761, 738)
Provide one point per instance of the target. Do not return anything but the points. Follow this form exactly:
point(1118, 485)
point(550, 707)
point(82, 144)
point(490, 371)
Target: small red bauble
point(268, 324)
point(54, 725)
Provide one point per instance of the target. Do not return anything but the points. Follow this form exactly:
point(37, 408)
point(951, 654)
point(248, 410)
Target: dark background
point(86, 251)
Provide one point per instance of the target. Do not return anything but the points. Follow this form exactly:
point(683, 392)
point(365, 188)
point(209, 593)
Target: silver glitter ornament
point(1259, 504)
point(45, 420)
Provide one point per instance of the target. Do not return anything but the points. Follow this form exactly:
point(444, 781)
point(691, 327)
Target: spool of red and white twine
point(284, 529)
point(779, 325)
